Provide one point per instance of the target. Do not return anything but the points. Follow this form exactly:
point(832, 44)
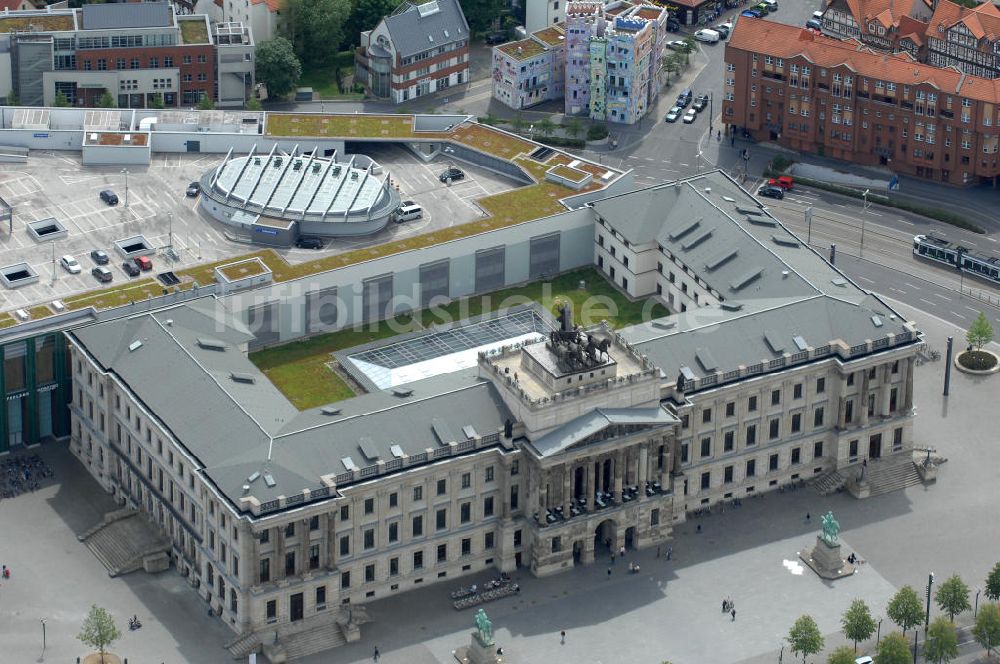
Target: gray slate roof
point(577, 429)
point(127, 15)
point(412, 33)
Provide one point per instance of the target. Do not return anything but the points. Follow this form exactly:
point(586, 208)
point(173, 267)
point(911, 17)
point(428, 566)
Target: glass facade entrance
point(36, 384)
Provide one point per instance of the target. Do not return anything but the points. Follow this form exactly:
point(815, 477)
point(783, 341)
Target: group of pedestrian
point(5, 573)
point(729, 606)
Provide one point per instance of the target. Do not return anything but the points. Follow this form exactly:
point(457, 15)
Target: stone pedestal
point(826, 561)
point(859, 488)
point(158, 562)
point(478, 653)
point(928, 472)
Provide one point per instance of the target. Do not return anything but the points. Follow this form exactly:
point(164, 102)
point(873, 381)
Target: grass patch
point(340, 126)
point(40, 311)
point(53, 23)
point(194, 31)
point(324, 80)
point(6, 320)
point(298, 369)
point(107, 298)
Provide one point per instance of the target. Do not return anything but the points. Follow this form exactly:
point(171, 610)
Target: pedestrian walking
point(612, 557)
point(733, 614)
point(670, 552)
point(807, 517)
point(698, 530)
point(657, 551)
point(621, 552)
point(609, 572)
point(376, 655)
point(725, 606)
point(562, 637)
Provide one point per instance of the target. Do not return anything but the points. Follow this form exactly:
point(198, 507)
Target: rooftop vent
point(730, 306)
point(839, 281)
point(134, 346)
point(349, 464)
point(784, 241)
point(246, 488)
point(688, 374)
point(269, 481)
point(330, 410)
point(169, 322)
point(396, 451)
point(402, 391)
point(211, 344)
point(243, 378)
point(664, 324)
point(706, 360)
point(800, 342)
point(254, 477)
point(876, 321)
point(469, 431)
point(774, 341)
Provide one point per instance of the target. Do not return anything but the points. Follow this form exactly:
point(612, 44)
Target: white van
point(706, 35)
point(409, 213)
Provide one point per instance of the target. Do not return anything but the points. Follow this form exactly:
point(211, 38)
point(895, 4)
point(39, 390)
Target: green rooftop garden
point(301, 371)
point(194, 31)
point(374, 126)
point(44, 22)
point(117, 296)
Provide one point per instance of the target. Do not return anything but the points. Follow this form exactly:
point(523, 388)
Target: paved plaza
point(670, 610)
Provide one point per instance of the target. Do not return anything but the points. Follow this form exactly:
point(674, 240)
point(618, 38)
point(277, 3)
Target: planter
point(988, 360)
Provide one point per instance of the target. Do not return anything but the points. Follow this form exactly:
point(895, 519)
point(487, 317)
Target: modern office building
point(422, 47)
point(136, 52)
point(835, 97)
point(520, 441)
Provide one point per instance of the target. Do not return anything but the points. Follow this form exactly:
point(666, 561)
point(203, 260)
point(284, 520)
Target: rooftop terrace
point(194, 30)
point(41, 22)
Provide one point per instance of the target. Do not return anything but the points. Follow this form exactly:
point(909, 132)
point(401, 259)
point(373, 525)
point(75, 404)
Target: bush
point(562, 142)
point(780, 163)
point(596, 132)
point(977, 360)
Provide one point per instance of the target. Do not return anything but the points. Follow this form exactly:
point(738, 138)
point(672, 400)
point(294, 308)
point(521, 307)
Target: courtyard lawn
point(299, 368)
point(323, 79)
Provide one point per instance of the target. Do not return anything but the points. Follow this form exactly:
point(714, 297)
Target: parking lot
point(58, 185)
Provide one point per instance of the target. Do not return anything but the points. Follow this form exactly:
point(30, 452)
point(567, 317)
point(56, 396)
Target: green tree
point(904, 609)
point(689, 46)
point(987, 627)
point(156, 101)
point(893, 650)
point(253, 104)
point(980, 332)
point(61, 100)
point(518, 123)
point(993, 583)
point(573, 127)
point(805, 638)
point(98, 630)
point(277, 66)
point(365, 15)
point(842, 655)
point(670, 63)
point(13, 99)
point(953, 596)
point(857, 622)
point(205, 104)
point(481, 13)
point(315, 28)
point(106, 100)
point(941, 645)
point(545, 127)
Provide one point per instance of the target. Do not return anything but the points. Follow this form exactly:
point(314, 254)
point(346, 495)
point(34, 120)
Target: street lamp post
point(861, 249)
point(809, 222)
point(927, 618)
point(710, 116)
point(878, 633)
point(42, 620)
point(125, 173)
point(975, 611)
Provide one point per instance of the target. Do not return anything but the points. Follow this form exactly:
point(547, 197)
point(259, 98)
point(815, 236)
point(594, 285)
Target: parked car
point(673, 114)
point(818, 16)
point(769, 191)
point(763, 8)
point(306, 242)
point(690, 116)
point(707, 36)
point(100, 257)
point(752, 13)
point(772, 5)
point(684, 98)
point(496, 38)
point(865, 659)
point(102, 274)
point(814, 24)
point(109, 197)
point(452, 174)
point(673, 25)
point(677, 45)
point(70, 265)
point(409, 212)
point(193, 190)
point(143, 263)
point(131, 269)
point(784, 181)
point(723, 29)
point(700, 103)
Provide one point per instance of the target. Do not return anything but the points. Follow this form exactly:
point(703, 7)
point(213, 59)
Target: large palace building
point(516, 440)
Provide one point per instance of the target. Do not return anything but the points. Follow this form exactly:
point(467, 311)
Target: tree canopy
point(893, 650)
point(993, 583)
point(277, 66)
point(842, 655)
point(316, 28)
point(904, 609)
point(857, 622)
point(805, 637)
point(953, 596)
point(106, 100)
point(941, 645)
point(61, 100)
point(98, 630)
point(987, 627)
point(481, 13)
point(980, 332)
point(365, 15)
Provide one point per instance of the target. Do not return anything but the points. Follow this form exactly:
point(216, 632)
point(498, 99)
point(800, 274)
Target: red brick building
point(844, 100)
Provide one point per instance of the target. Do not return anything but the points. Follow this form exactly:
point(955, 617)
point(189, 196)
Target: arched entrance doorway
point(605, 537)
point(577, 552)
point(630, 537)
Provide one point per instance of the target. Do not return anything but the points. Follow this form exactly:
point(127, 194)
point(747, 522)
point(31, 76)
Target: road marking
point(991, 239)
point(927, 302)
point(911, 285)
point(943, 297)
point(866, 279)
point(683, 164)
point(904, 221)
point(975, 311)
point(957, 315)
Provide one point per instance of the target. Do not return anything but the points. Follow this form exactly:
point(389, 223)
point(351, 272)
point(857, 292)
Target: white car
point(690, 116)
point(673, 114)
point(70, 264)
point(708, 36)
point(677, 45)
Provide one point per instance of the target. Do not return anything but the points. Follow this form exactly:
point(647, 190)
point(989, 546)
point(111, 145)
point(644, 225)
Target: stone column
point(619, 472)
point(532, 490)
point(543, 491)
point(643, 469)
point(588, 484)
point(906, 396)
point(885, 390)
point(597, 476)
point(278, 536)
point(567, 489)
point(664, 468)
point(247, 575)
point(329, 524)
point(864, 398)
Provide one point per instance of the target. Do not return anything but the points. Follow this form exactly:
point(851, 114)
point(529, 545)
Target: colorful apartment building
point(836, 98)
point(135, 52)
point(532, 70)
point(604, 66)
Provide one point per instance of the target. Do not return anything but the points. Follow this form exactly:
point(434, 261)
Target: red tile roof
point(272, 5)
point(757, 35)
point(983, 21)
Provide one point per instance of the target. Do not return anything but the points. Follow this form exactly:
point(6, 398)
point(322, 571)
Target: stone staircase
point(312, 641)
point(123, 540)
point(892, 474)
point(244, 644)
point(829, 482)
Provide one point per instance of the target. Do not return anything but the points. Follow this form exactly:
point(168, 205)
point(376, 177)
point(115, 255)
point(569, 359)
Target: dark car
point(452, 174)
point(700, 103)
point(309, 243)
point(102, 273)
point(131, 269)
point(751, 13)
point(100, 257)
point(109, 197)
point(770, 191)
point(673, 25)
point(684, 98)
point(193, 190)
point(814, 24)
point(496, 38)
